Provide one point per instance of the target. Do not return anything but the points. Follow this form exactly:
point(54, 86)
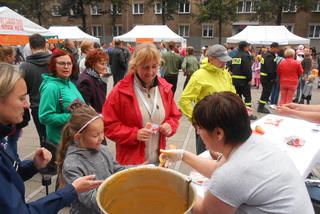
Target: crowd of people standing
point(73, 115)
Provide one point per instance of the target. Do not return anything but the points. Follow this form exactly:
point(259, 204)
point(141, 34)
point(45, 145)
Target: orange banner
point(144, 40)
point(14, 39)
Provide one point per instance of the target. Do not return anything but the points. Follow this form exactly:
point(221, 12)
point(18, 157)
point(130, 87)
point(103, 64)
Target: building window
point(184, 30)
point(137, 8)
point(116, 8)
point(289, 27)
point(290, 7)
point(184, 7)
point(207, 31)
point(96, 30)
point(55, 10)
point(314, 31)
point(95, 9)
point(117, 31)
point(157, 8)
point(316, 7)
point(245, 7)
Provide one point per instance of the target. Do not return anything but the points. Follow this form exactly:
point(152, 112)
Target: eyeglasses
point(65, 63)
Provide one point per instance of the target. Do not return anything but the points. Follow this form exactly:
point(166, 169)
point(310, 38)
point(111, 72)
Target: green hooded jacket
point(53, 112)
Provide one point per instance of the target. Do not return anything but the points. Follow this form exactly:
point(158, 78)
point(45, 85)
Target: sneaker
point(263, 110)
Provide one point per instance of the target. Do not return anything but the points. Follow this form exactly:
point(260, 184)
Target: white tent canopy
point(265, 35)
point(72, 33)
point(153, 33)
point(15, 28)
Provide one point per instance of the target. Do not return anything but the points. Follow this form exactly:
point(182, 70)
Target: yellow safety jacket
point(205, 81)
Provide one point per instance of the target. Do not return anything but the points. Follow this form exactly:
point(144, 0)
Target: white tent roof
point(156, 33)
point(265, 35)
point(73, 33)
point(15, 26)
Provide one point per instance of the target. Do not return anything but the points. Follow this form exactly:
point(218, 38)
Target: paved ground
point(183, 139)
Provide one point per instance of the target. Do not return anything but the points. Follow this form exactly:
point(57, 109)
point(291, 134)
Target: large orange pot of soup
point(146, 190)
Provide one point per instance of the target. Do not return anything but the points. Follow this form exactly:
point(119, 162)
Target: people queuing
point(141, 98)
point(35, 65)
point(268, 75)
point(172, 65)
point(289, 71)
point(189, 65)
point(90, 83)
point(210, 78)
point(242, 72)
point(58, 95)
point(140, 113)
point(13, 171)
point(81, 153)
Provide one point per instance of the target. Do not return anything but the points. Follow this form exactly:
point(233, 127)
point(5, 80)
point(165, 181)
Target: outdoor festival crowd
point(65, 90)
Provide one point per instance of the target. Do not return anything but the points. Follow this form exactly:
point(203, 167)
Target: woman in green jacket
point(58, 94)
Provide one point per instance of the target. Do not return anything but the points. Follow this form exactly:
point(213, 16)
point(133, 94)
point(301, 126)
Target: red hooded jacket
point(123, 119)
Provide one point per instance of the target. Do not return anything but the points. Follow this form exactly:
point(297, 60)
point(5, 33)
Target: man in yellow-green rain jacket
point(210, 78)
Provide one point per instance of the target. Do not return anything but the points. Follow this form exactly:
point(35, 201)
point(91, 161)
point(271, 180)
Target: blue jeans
point(275, 92)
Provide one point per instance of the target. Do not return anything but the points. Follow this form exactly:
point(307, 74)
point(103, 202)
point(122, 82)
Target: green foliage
point(222, 11)
point(271, 11)
point(169, 8)
point(32, 9)
point(217, 10)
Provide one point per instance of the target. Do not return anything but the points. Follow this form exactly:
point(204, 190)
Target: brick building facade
point(99, 21)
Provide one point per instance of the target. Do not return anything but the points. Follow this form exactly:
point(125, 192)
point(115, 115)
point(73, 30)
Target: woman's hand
point(144, 134)
point(41, 158)
point(292, 106)
point(167, 157)
point(285, 110)
point(86, 183)
point(165, 129)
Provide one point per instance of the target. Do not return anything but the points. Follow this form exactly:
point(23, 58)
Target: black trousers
point(186, 81)
point(200, 146)
point(266, 90)
point(245, 91)
point(117, 77)
point(173, 80)
point(41, 129)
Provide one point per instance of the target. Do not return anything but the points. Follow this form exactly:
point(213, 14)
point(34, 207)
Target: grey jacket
point(80, 162)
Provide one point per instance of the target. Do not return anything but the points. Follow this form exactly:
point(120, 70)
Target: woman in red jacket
point(289, 71)
point(140, 111)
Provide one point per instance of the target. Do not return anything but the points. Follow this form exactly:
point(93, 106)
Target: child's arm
point(73, 171)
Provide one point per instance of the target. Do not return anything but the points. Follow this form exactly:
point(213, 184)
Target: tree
point(270, 11)
point(168, 8)
point(33, 9)
point(76, 8)
point(222, 11)
point(117, 8)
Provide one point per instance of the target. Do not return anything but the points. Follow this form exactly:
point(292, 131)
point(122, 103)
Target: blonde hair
point(9, 76)
point(6, 51)
point(289, 52)
point(85, 45)
point(80, 116)
point(310, 78)
point(144, 53)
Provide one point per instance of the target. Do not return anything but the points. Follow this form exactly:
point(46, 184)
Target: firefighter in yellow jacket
point(210, 78)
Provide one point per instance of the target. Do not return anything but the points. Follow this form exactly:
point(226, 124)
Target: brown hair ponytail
point(80, 116)
point(66, 140)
